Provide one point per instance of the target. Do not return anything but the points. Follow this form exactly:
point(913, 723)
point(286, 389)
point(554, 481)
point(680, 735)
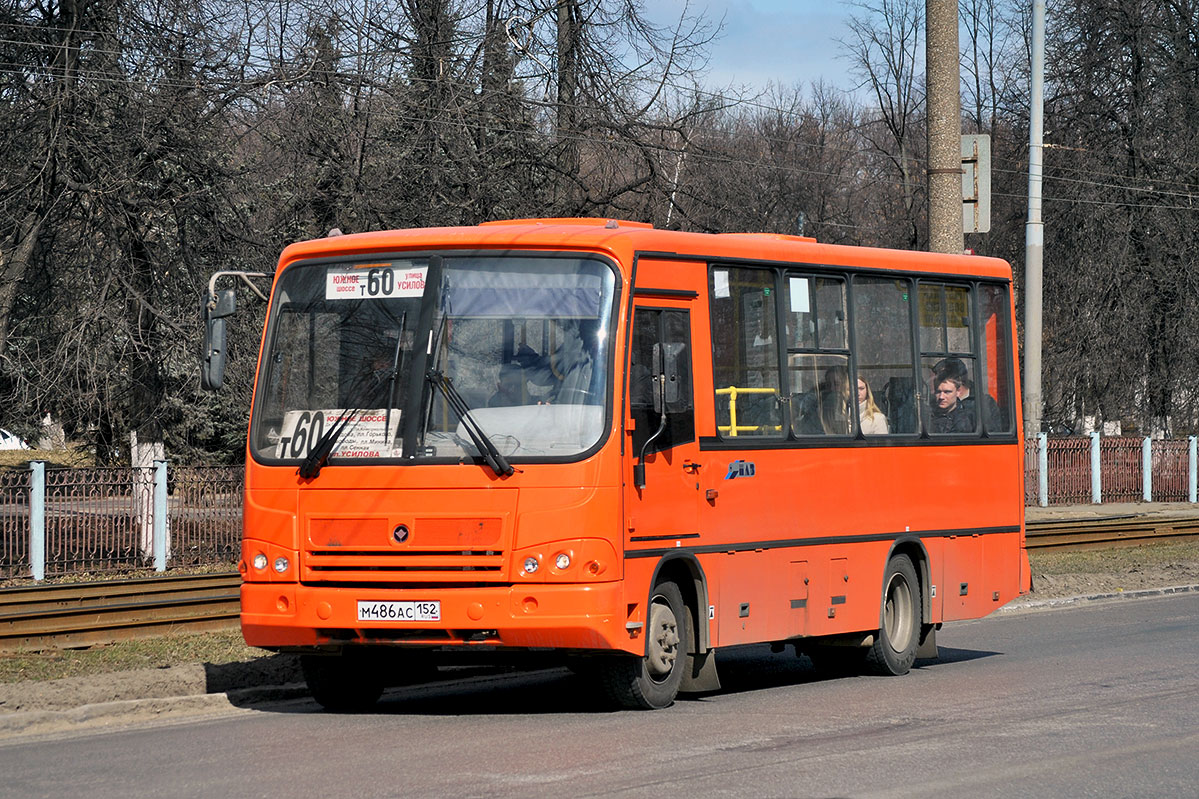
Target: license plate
point(429, 610)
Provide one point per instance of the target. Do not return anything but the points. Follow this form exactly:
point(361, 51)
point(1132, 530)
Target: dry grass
point(20, 458)
point(1113, 560)
point(127, 574)
point(222, 647)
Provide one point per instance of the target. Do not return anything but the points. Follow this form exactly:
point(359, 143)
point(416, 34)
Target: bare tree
point(883, 47)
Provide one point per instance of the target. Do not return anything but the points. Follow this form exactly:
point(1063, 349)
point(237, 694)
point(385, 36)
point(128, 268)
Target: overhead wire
point(121, 78)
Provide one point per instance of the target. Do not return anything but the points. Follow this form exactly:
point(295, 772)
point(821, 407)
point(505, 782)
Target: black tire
point(898, 638)
point(351, 682)
point(652, 682)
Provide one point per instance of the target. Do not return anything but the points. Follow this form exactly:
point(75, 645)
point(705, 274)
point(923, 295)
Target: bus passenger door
point(664, 511)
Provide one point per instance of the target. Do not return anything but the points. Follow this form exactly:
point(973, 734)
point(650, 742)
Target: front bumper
point(570, 616)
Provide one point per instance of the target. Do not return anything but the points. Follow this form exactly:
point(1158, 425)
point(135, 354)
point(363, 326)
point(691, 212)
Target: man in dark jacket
point(948, 415)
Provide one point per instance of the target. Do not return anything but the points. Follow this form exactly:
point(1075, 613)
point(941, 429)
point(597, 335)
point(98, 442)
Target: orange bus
point(625, 446)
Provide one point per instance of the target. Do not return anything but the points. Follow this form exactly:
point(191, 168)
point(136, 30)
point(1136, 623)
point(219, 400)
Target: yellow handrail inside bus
point(732, 428)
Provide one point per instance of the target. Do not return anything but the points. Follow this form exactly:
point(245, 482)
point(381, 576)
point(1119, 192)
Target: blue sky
point(785, 41)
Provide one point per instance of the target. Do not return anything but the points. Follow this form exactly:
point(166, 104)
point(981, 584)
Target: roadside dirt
point(187, 679)
point(55, 702)
point(1112, 571)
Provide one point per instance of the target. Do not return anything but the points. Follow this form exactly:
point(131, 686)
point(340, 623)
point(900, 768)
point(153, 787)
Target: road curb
point(119, 713)
point(1070, 601)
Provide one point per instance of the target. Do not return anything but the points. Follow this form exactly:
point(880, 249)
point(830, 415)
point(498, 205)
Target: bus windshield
point(354, 350)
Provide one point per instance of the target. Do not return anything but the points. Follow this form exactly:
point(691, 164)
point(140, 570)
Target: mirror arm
point(246, 278)
point(639, 467)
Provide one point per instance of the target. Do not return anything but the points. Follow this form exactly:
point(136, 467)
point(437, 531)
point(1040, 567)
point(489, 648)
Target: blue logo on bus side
point(740, 469)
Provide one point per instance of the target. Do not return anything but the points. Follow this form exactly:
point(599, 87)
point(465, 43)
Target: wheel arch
point(685, 571)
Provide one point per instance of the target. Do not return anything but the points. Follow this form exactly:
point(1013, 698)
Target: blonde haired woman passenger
point(873, 421)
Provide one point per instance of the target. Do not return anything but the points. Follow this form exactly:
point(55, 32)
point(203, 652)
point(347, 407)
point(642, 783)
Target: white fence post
point(1147, 469)
point(37, 520)
point(1043, 469)
point(1096, 471)
point(1193, 467)
point(161, 541)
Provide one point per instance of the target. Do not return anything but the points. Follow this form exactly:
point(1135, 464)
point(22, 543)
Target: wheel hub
point(663, 647)
point(898, 613)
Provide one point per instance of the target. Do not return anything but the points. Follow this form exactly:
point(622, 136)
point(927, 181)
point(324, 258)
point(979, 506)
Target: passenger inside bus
point(900, 405)
point(834, 402)
point(510, 387)
point(966, 396)
point(871, 418)
point(948, 415)
point(824, 409)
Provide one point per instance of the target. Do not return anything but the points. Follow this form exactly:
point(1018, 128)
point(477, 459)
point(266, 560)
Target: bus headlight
point(259, 562)
point(574, 560)
point(281, 564)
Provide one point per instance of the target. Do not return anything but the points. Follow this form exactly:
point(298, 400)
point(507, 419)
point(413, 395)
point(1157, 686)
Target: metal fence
point(1071, 470)
point(14, 520)
point(1069, 463)
point(1120, 459)
point(57, 522)
point(104, 520)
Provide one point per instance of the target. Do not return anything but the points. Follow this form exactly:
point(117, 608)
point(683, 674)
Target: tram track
point(1121, 531)
point(67, 615)
point(64, 615)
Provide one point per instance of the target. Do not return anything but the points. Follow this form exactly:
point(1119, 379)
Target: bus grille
point(403, 566)
point(430, 550)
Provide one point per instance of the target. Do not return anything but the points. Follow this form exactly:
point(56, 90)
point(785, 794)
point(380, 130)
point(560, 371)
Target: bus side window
point(883, 341)
point(997, 358)
point(947, 356)
point(745, 353)
point(821, 398)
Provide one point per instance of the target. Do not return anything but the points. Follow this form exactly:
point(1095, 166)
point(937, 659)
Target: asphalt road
point(1099, 700)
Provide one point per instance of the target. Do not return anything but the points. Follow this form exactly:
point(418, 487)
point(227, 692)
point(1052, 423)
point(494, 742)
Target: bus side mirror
point(668, 389)
point(214, 310)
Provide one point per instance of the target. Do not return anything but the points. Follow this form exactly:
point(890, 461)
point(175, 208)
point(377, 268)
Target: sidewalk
point(1112, 511)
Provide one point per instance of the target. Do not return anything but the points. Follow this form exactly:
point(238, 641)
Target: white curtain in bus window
point(816, 313)
point(883, 338)
point(745, 356)
point(996, 332)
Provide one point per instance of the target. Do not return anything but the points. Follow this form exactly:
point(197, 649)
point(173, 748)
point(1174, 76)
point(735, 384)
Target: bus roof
point(623, 239)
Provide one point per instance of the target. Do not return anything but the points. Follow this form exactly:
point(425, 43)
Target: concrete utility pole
point(943, 78)
point(1034, 230)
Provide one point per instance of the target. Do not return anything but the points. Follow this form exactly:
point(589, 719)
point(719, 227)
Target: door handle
point(691, 467)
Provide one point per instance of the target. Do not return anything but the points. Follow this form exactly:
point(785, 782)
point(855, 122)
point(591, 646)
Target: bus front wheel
point(350, 682)
point(652, 682)
point(894, 648)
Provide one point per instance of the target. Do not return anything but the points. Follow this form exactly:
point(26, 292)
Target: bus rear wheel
point(894, 648)
point(350, 682)
point(652, 682)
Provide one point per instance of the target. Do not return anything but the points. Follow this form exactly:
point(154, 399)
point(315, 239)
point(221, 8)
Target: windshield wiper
point(395, 373)
point(498, 463)
point(323, 447)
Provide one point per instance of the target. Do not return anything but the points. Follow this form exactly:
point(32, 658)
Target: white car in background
point(11, 440)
